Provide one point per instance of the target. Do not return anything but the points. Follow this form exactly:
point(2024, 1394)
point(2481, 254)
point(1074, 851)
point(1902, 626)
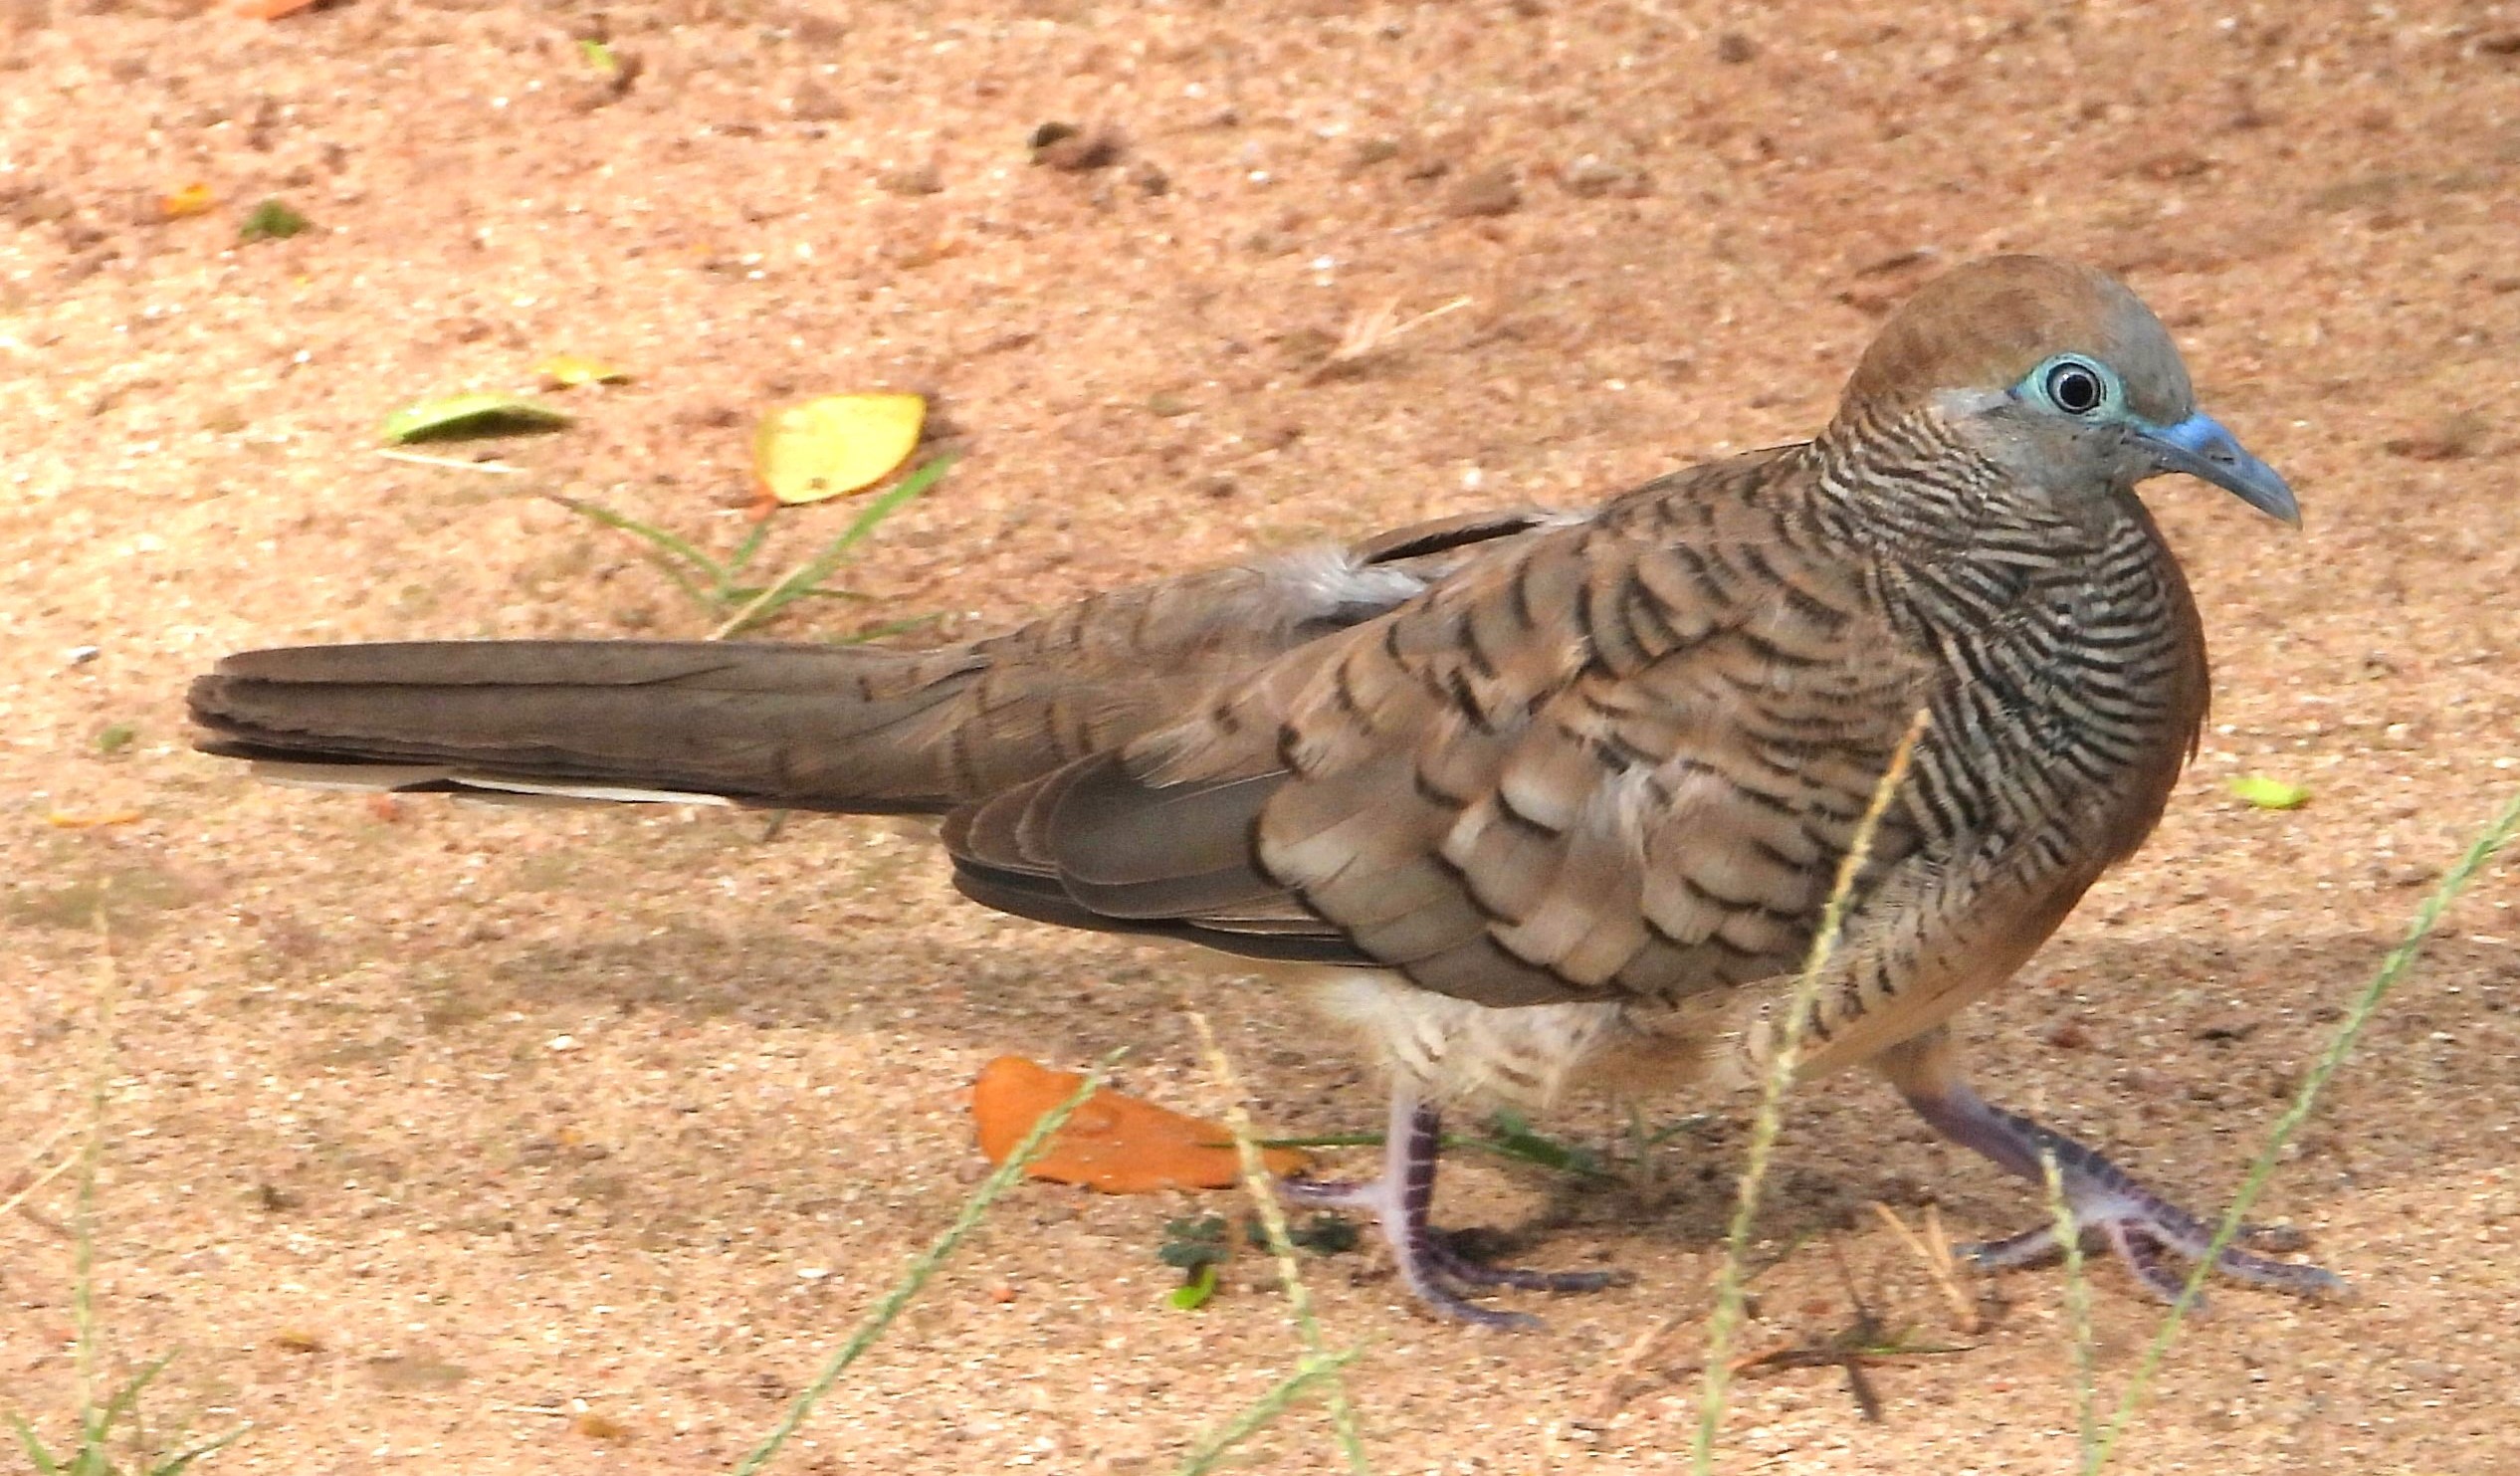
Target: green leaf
point(1201, 1286)
point(1325, 1234)
point(599, 56)
point(273, 220)
point(115, 737)
point(471, 415)
point(1510, 1135)
point(1194, 1243)
point(2269, 794)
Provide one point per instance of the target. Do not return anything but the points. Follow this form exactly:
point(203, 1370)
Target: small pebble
point(1491, 192)
point(814, 101)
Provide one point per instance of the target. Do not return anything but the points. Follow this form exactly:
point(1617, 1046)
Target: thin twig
point(451, 463)
point(1615, 1390)
point(38, 1182)
point(1784, 1058)
point(2497, 834)
point(1937, 1267)
point(1375, 329)
point(1299, 1298)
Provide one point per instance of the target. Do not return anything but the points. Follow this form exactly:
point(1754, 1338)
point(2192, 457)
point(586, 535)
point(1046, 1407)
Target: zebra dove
point(1539, 799)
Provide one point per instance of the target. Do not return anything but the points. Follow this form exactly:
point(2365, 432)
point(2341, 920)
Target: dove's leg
point(1398, 1199)
point(2156, 1241)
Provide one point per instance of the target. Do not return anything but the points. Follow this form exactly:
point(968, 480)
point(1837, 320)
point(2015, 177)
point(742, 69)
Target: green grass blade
point(177, 1465)
point(123, 1403)
point(1256, 1416)
point(35, 1450)
point(821, 567)
point(1522, 1146)
point(2495, 836)
point(656, 537)
point(1677, 1126)
point(744, 593)
point(97, 1422)
point(744, 550)
point(921, 1267)
point(1511, 1135)
point(888, 629)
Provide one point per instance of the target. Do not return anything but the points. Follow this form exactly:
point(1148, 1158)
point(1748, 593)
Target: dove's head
point(2057, 373)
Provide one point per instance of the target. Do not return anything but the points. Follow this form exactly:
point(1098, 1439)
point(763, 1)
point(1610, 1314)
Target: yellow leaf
point(837, 444)
point(193, 199)
point(568, 370)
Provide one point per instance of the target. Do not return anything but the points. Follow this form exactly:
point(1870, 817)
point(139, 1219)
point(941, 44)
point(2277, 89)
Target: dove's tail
point(828, 727)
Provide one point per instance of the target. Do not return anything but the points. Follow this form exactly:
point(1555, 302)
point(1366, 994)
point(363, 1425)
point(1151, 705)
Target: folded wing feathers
point(1464, 750)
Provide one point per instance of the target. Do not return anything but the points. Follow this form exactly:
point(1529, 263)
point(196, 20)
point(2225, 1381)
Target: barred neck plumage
point(2073, 640)
point(1905, 481)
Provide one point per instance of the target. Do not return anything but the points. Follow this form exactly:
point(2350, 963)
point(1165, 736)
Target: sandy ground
point(451, 1140)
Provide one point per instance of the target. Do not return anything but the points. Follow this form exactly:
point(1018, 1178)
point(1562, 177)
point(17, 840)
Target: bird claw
point(1443, 1273)
point(1435, 1271)
point(2155, 1240)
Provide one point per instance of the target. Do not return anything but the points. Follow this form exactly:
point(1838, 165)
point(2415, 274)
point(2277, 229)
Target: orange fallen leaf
point(60, 821)
point(271, 10)
point(193, 199)
point(1115, 1143)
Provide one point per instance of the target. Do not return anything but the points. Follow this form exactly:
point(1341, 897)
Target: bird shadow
point(2174, 1053)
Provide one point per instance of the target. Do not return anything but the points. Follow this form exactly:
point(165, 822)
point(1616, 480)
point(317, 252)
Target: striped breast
point(2069, 687)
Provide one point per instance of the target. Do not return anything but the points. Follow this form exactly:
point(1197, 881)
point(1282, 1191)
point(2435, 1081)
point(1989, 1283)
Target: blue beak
point(2201, 448)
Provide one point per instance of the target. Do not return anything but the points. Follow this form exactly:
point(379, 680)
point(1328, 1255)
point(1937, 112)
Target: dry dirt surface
point(452, 1139)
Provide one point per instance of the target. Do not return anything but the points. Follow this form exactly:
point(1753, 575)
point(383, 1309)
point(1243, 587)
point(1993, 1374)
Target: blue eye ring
point(2075, 387)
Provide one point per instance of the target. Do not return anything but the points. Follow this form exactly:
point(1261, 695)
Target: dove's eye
point(2075, 387)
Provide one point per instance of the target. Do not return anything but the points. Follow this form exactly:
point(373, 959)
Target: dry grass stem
point(1299, 1298)
point(34, 1182)
point(1372, 332)
point(1784, 1058)
point(2077, 1310)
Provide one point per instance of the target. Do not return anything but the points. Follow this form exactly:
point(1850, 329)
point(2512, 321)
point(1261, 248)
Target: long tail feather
point(808, 727)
